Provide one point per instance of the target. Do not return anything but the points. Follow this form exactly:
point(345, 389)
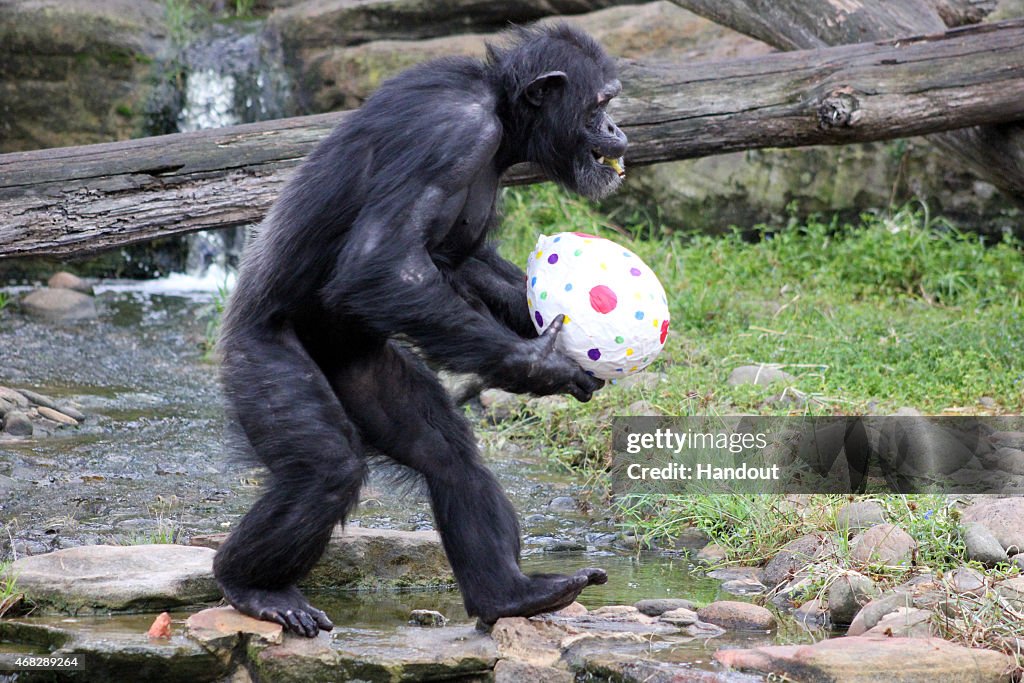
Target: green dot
point(577, 252)
point(619, 340)
point(543, 295)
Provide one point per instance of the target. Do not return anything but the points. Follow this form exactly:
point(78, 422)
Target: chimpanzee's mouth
point(614, 164)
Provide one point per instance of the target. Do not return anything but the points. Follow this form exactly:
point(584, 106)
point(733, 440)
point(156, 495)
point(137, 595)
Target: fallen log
point(78, 200)
point(993, 153)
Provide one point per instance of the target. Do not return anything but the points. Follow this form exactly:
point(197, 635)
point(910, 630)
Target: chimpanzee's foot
point(544, 593)
point(286, 607)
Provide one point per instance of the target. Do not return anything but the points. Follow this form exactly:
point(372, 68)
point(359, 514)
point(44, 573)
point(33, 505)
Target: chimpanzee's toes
point(286, 607)
point(595, 576)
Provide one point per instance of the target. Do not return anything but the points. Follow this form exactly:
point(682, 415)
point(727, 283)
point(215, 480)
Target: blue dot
point(568, 287)
point(533, 281)
point(627, 254)
point(639, 315)
point(558, 239)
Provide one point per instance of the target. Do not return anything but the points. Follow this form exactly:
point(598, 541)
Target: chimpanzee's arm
point(501, 286)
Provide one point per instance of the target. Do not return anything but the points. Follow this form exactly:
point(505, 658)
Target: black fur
point(382, 233)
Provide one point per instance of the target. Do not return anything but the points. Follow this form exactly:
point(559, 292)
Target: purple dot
point(594, 354)
point(635, 272)
point(553, 259)
point(539, 318)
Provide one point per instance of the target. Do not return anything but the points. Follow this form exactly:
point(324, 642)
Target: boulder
point(761, 375)
point(866, 660)
point(859, 515)
point(655, 607)
point(883, 544)
point(737, 616)
point(1003, 517)
point(104, 578)
point(848, 593)
point(792, 558)
point(981, 545)
point(65, 280)
point(59, 305)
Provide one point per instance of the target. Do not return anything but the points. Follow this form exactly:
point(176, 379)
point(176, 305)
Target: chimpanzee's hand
point(538, 367)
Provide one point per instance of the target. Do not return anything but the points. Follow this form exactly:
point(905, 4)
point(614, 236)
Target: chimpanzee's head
point(556, 83)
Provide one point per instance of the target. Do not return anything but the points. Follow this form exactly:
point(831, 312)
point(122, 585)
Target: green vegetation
point(181, 15)
point(9, 595)
point(899, 310)
point(216, 313)
point(243, 8)
point(4, 300)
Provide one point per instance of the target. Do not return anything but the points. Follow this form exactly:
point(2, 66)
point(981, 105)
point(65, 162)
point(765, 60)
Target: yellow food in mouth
point(615, 164)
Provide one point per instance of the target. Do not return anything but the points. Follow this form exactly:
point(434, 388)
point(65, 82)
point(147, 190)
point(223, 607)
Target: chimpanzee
point(381, 238)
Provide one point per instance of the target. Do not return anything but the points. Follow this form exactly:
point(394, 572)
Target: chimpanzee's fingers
point(550, 335)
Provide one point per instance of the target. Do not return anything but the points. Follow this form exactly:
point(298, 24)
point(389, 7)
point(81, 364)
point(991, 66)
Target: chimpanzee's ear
point(543, 85)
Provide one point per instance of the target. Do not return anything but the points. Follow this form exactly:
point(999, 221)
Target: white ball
point(616, 312)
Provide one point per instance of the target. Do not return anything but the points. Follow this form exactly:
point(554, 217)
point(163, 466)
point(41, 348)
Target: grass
point(9, 595)
point(5, 299)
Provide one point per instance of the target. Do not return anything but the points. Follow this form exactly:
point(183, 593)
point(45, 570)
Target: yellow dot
point(636, 296)
point(566, 321)
point(539, 254)
point(655, 323)
point(633, 369)
point(604, 266)
point(629, 352)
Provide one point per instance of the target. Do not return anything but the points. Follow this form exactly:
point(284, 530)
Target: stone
point(655, 607)
point(1003, 517)
point(1018, 561)
point(535, 642)
point(761, 375)
point(643, 408)
point(102, 578)
point(57, 416)
point(14, 397)
point(16, 423)
point(904, 622)
point(885, 544)
point(66, 280)
point(222, 627)
point(61, 305)
point(907, 411)
point(679, 616)
point(710, 555)
point(859, 515)
point(869, 615)
point(1010, 460)
point(867, 660)
point(500, 405)
point(360, 557)
point(427, 617)
point(981, 545)
point(562, 504)
point(967, 580)
point(690, 538)
point(747, 586)
point(513, 671)
point(1007, 439)
point(737, 616)
point(648, 381)
point(812, 613)
point(791, 559)
point(848, 593)
point(1012, 590)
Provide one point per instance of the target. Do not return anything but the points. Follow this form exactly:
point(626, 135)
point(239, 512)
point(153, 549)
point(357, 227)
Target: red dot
point(603, 299)
point(589, 237)
point(664, 331)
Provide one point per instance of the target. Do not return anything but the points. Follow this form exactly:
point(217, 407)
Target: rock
point(500, 405)
point(735, 573)
point(97, 58)
point(761, 375)
point(746, 586)
point(679, 616)
point(14, 397)
point(1003, 517)
point(57, 416)
point(1018, 561)
point(221, 627)
point(359, 557)
point(1007, 439)
point(1012, 590)
point(710, 555)
point(66, 280)
point(690, 538)
point(643, 408)
point(869, 615)
point(885, 544)
point(648, 381)
point(812, 613)
point(967, 580)
point(16, 423)
point(102, 578)
point(59, 305)
point(1010, 460)
point(737, 616)
point(866, 660)
point(981, 545)
point(38, 399)
point(905, 622)
point(848, 593)
point(562, 504)
point(655, 607)
point(859, 515)
point(792, 559)
point(535, 642)
point(988, 402)
point(427, 617)
point(513, 671)
point(71, 412)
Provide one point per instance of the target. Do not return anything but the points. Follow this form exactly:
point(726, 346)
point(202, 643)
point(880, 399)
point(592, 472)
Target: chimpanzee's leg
point(298, 429)
point(402, 410)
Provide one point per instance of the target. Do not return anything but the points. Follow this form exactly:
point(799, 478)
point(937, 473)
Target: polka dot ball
point(616, 312)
